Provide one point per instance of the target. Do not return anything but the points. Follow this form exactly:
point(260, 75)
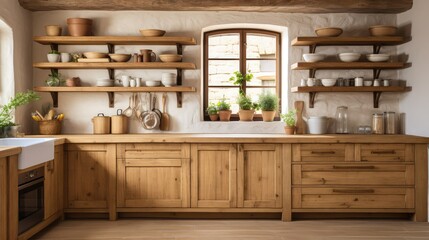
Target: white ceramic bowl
point(349, 57)
point(168, 82)
point(378, 57)
point(105, 83)
point(329, 82)
point(367, 83)
point(154, 83)
point(313, 57)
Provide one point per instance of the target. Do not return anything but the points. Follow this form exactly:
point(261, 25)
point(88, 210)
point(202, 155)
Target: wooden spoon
point(300, 127)
point(165, 119)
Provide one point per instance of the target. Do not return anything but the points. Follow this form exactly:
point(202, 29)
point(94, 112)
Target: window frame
point(242, 66)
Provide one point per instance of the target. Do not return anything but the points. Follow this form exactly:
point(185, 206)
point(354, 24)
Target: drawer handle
point(322, 152)
point(383, 152)
point(353, 167)
point(353, 190)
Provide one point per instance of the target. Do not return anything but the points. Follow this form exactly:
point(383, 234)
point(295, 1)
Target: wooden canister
point(101, 124)
point(119, 123)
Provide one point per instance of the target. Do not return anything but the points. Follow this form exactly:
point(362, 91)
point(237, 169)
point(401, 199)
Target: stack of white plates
point(105, 83)
point(154, 83)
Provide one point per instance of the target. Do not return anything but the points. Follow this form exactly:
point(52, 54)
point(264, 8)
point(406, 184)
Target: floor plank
point(133, 229)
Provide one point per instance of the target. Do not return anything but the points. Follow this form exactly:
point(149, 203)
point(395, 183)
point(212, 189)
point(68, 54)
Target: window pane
point(260, 46)
point(224, 45)
point(230, 94)
point(220, 71)
point(264, 72)
point(255, 92)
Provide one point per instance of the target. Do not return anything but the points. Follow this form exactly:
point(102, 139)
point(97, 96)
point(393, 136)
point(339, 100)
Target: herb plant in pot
point(247, 108)
point(54, 79)
point(269, 103)
point(224, 109)
point(289, 119)
point(213, 112)
point(54, 56)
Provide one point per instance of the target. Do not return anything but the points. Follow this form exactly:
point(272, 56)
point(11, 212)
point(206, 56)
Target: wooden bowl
point(95, 55)
point(53, 30)
point(170, 57)
point(382, 30)
point(120, 57)
point(152, 32)
point(329, 32)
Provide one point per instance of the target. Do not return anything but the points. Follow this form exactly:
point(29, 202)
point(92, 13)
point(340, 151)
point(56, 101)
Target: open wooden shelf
point(115, 65)
point(113, 40)
point(350, 41)
point(375, 90)
point(349, 65)
point(111, 91)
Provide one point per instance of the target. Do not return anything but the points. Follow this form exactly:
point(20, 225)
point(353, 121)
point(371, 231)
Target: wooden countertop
point(234, 138)
point(9, 151)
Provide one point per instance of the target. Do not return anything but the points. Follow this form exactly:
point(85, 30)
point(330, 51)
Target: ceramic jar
point(79, 26)
point(318, 125)
point(53, 30)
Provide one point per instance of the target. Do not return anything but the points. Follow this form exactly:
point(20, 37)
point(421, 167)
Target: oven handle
point(31, 183)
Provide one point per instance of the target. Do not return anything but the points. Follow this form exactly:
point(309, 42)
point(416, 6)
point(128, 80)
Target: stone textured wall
point(81, 107)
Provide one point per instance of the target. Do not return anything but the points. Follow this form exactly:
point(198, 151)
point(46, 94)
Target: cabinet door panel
point(54, 183)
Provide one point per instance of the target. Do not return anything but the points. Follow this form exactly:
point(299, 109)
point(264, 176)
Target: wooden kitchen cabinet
point(153, 175)
point(90, 178)
point(54, 179)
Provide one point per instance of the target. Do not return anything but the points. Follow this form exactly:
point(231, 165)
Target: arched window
point(243, 50)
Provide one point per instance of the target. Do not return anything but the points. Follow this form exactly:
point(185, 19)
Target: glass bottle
point(341, 124)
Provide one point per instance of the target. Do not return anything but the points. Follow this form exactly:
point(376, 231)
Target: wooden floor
point(166, 229)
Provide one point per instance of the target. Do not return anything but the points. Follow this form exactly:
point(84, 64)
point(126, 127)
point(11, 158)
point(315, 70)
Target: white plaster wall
point(415, 104)
point(19, 20)
point(80, 108)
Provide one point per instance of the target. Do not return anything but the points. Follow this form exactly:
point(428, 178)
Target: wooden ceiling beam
point(286, 6)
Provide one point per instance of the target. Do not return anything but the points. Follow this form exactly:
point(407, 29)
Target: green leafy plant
point(20, 99)
point(54, 52)
point(222, 105)
point(289, 118)
point(245, 103)
point(212, 109)
point(268, 101)
point(239, 79)
point(54, 79)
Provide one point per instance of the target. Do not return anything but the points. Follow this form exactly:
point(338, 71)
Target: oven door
point(31, 207)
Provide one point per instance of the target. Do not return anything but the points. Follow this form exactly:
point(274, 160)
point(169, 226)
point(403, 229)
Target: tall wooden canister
point(101, 124)
point(119, 123)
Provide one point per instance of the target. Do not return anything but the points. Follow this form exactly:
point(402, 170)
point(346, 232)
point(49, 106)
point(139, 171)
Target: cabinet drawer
point(323, 152)
point(353, 198)
point(357, 174)
point(385, 152)
point(153, 151)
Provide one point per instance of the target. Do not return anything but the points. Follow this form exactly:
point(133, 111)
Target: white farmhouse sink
point(34, 150)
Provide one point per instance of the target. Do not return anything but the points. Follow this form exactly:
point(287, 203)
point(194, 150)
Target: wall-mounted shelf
point(375, 90)
point(115, 65)
point(111, 91)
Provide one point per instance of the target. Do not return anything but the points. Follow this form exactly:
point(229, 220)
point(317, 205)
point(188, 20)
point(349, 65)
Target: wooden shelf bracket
point(111, 96)
point(376, 73)
point(376, 98)
point(54, 96)
point(312, 97)
point(312, 48)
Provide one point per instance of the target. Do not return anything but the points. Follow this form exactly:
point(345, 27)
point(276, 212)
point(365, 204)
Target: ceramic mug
point(125, 80)
point(138, 82)
point(311, 82)
point(359, 82)
point(132, 83)
point(148, 55)
point(65, 57)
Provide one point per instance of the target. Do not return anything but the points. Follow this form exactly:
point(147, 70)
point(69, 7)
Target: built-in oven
point(30, 198)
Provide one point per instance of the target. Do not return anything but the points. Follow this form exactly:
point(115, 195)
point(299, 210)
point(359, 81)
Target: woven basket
point(50, 127)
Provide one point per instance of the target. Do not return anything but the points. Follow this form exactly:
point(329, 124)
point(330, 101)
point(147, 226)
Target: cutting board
point(300, 125)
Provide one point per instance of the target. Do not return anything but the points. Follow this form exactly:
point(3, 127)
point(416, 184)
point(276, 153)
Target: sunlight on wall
point(7, 83)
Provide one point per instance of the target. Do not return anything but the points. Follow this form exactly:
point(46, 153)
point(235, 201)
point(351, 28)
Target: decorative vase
point(290, 130)
point(214, 117)
point(268, 116)
point(246, 115)
point(224, 115)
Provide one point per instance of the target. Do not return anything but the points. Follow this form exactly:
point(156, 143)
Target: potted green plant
point(289, 118)
point(6, 117)
point(213, 112)
point(224, 109)
point(269, 103)
point(54, 79)
point(54, 56)
point(239, 79)
point(247, 108)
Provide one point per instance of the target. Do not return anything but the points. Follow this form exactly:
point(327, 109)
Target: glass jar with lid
point(377, 123)
point(341, 120)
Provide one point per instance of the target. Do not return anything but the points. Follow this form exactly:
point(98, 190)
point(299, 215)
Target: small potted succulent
point(289, 119)
point(213, 112)
point(224, 109)
point(269, 103)
point(54, 56)
point(247, 108)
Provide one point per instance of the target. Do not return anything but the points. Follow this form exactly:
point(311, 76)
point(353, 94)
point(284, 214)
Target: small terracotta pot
point(53, 30)
point(214, 117)
point(268, 116)
point(290, 130)
point(225, 115)
point(246, 115)
point(79, 26)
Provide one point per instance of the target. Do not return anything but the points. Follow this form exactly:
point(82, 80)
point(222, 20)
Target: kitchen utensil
point(378, 57)
point(119, 123)
point(341, 120)
point(318, 125)
point(313, 57)
point(129, 111)
point(120, 57)
point(151, 119)
point(79, 26)
point(53, 30)
point(349, 57)
point(138, 108)
point(101, 124)
point(300, 126)
point(383, 30)
point(152, 32)
point(165, 118)
point(329, 82)
point(170, 57)
point(329, 32)
point(95, 55)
